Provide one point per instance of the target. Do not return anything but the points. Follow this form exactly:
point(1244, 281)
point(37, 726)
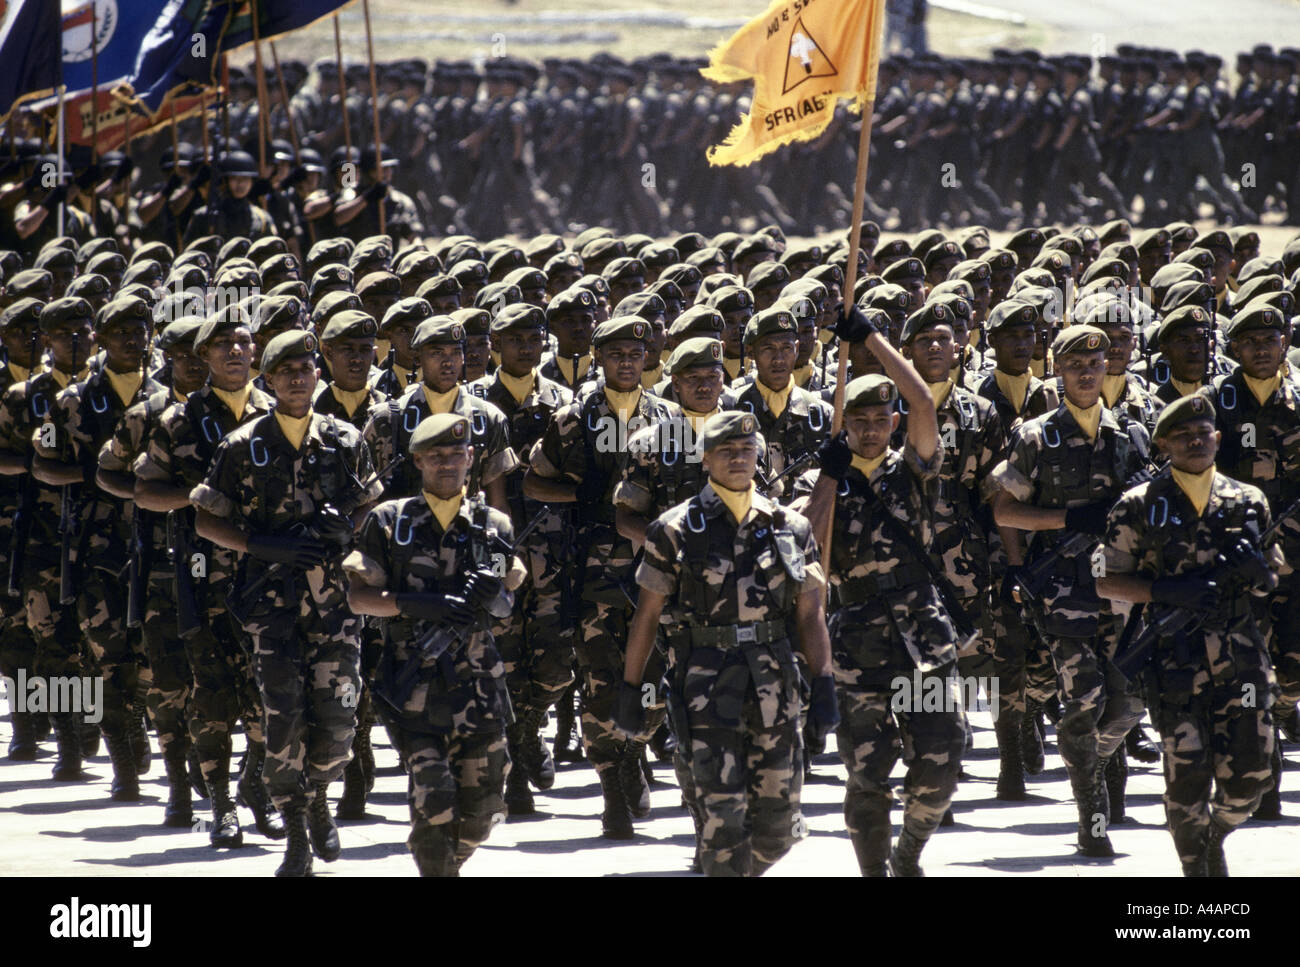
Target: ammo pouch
point(862, 590)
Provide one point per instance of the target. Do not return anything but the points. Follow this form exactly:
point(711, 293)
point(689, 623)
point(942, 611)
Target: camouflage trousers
point(1100, 705)
point(54, 628)
point(1217, 762)
point(537, 646)
point(458, 780)
point(224, 694)
point(173, 680)
point(118, 653)
point(1021, 661)
point(747, 786)
point(1284, 642)
point(17, 646)
point(310, 683)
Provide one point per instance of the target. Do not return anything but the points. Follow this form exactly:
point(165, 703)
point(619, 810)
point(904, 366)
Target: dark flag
point(30, 49)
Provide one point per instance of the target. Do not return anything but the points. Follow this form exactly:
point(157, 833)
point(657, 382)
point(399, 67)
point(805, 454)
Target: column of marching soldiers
point(447, 486)
point(490, 148)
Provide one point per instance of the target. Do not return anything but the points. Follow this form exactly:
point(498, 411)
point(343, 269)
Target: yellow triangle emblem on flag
point(807, 59)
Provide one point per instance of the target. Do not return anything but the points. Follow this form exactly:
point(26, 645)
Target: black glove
point(1195, 594)
point(173, 183)
point(89, 177)
point(438, 608)
point(376, 192)
point(834, 456)
point(34, 180)
point(1249, 567)
point(823, 710)
point(296, 177)
point(303, 553)
point(1088, 519)
point(202, 175)
point(261, 188)
point(629, 713)
point(483, 588)
point(55, 196)
point(124, 171)
point(853, 326)
point(334, 530)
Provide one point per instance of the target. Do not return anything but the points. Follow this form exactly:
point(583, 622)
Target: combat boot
point(1270, 804)
point(872, 848)
point(352, 804)
point(1088, 803)
point(297, 852)
point(534, 757)
point(225, 831)
point(905, 860)
point(363, 750)
point(1011, 764)
point(616, 820)
point(67, 733)
point(1116, 774)
point(663, 743)
point(568, 744)
point(1196, 867)
point(434, 849)
point(324, 834)
point(631, 772)
point(251, 793)
point(197, 785)
point(89, 739)
point(1031, 738)
point(22, 745)
point(518, 795)
point(1216, 864)
point(126, 784)
point(180, 811)
point(1140, 746)
point(137, 729)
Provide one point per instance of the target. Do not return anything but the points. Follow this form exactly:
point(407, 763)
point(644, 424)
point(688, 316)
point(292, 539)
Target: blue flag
point(119, 28)
point(29, 50)
point(177, 50)
point(274, 17)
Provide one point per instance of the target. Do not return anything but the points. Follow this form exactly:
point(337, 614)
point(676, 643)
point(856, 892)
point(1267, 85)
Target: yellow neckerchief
point(1196, 486)
point(974, 336)
point(350, 398)
point(1089, 420)
point(518, 386)
point(736, 501)
point(180, 397)
point(63, 379)
point(235, 399)
point(125, 384)
point(1263, 389)
point(253, 373)
point(22, 374)
point(696, 418)
point(439, 402)
point(1038, 367)
point(1014, 388)
point(565, 363)
point(1112, 388)
point(444, 510)
point(623, 404)
point(294, 427)
point(802, 375)
point(824, 336)
point(651, 376)
point(732, 365)
point(775, 399)
point(940, 392)
point(865, 465)
point(381, 348)
point(1184, 389)
point(403, 375)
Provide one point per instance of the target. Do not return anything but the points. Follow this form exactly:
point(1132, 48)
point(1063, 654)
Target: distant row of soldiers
point(443, 484)
point(493, 149)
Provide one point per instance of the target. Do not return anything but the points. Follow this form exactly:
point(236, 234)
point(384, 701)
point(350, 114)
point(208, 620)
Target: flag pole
point(343, 88)
point(262, 120)
point(58, 135)
point(225, 101)
point(126, 150)
point(284, 96)
point(94, 104)
point(374, 104)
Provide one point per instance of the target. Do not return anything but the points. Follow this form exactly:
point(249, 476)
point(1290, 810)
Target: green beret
point(1012, 312)
point(1201, 258)
point(123, 309)
point(286, 346)
point(24, 310)
point(940, 252)
point(328, 278)
point(731, 298)
point(1151, 240)
point(572, 299)
point(1080, 338)
point(469, 272)
point(148, 271)
point(1185, 316)
point(698, 320)
point(413, 309)
point(904, 270)
point(439, 285)
point(1102, 268)
point(1105, 312)
point(67, 309)
point(519, 316)
point(379, 284)
point(766, 275)
point(36, 283)
point(895, 248)
point(1197, 406)
point(1215, 239)
point(495, 295)
point(970, 271)
point(440, 430)
point(728, 425)
point(183, 330)
point(999, 259)
point(957, 287)
point(646, 304)
point(526, 277)
point(929, 315)
point(56, 258)
point(772, 321)
point(886, 297)
point(623, 269)
point(1255, 315)
point(1259, 285)
point(695, 351)
point(285, 310)
point(350, 324)
point(567, 260)
point(438, 330)
point(332, 303)
point(624, 327)
point(870, 390)
point(477, 322)
point(231, 317)
point(1189, 292)
point(543, 247)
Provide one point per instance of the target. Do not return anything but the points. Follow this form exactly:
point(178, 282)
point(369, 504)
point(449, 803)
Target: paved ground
point(72, 829)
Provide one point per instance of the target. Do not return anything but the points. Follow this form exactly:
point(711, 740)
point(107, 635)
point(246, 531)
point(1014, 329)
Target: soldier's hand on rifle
point(296, 177)
point(1088, 519)
point(376, 192)
point(823, 709)
point(852, 324)
point(483, 588)
point(1010, 581)
point(302, 553)
point(438, 608)
point(1194, 594)
point(1249, 567)
point(835, 456)
point(54, 198)
point(629, 713)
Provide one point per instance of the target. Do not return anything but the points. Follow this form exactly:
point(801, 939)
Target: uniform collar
point(713, 505)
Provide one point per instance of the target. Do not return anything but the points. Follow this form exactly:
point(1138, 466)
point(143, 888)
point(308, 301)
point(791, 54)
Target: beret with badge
point(286, 346)
point(519, 316)
point(870, 390)
point(929, 315)
point(439, 430)
point(769, 322)
point(695, 351)
point(438, 330)
point(412, 311)
point(67, 309)
point(350, 324)
point(624, 327)
point(1013, 312)
point(726, 426)
point(1196, 406)
point(1079, 338)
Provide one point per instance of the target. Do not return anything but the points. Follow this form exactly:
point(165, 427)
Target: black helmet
point(238, 163)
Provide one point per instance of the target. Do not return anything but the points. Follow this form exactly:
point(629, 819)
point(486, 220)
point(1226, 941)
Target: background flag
point(802, 55)
point(30, 37)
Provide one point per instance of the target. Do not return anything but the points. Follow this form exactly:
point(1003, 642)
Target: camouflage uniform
point(306, 644)
point(1209, 690)
point(887, 621)
point(797, 432)
point(736, 689)
point(450, 723)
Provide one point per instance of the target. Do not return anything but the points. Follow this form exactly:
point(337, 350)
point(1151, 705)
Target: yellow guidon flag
point(803, 55)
